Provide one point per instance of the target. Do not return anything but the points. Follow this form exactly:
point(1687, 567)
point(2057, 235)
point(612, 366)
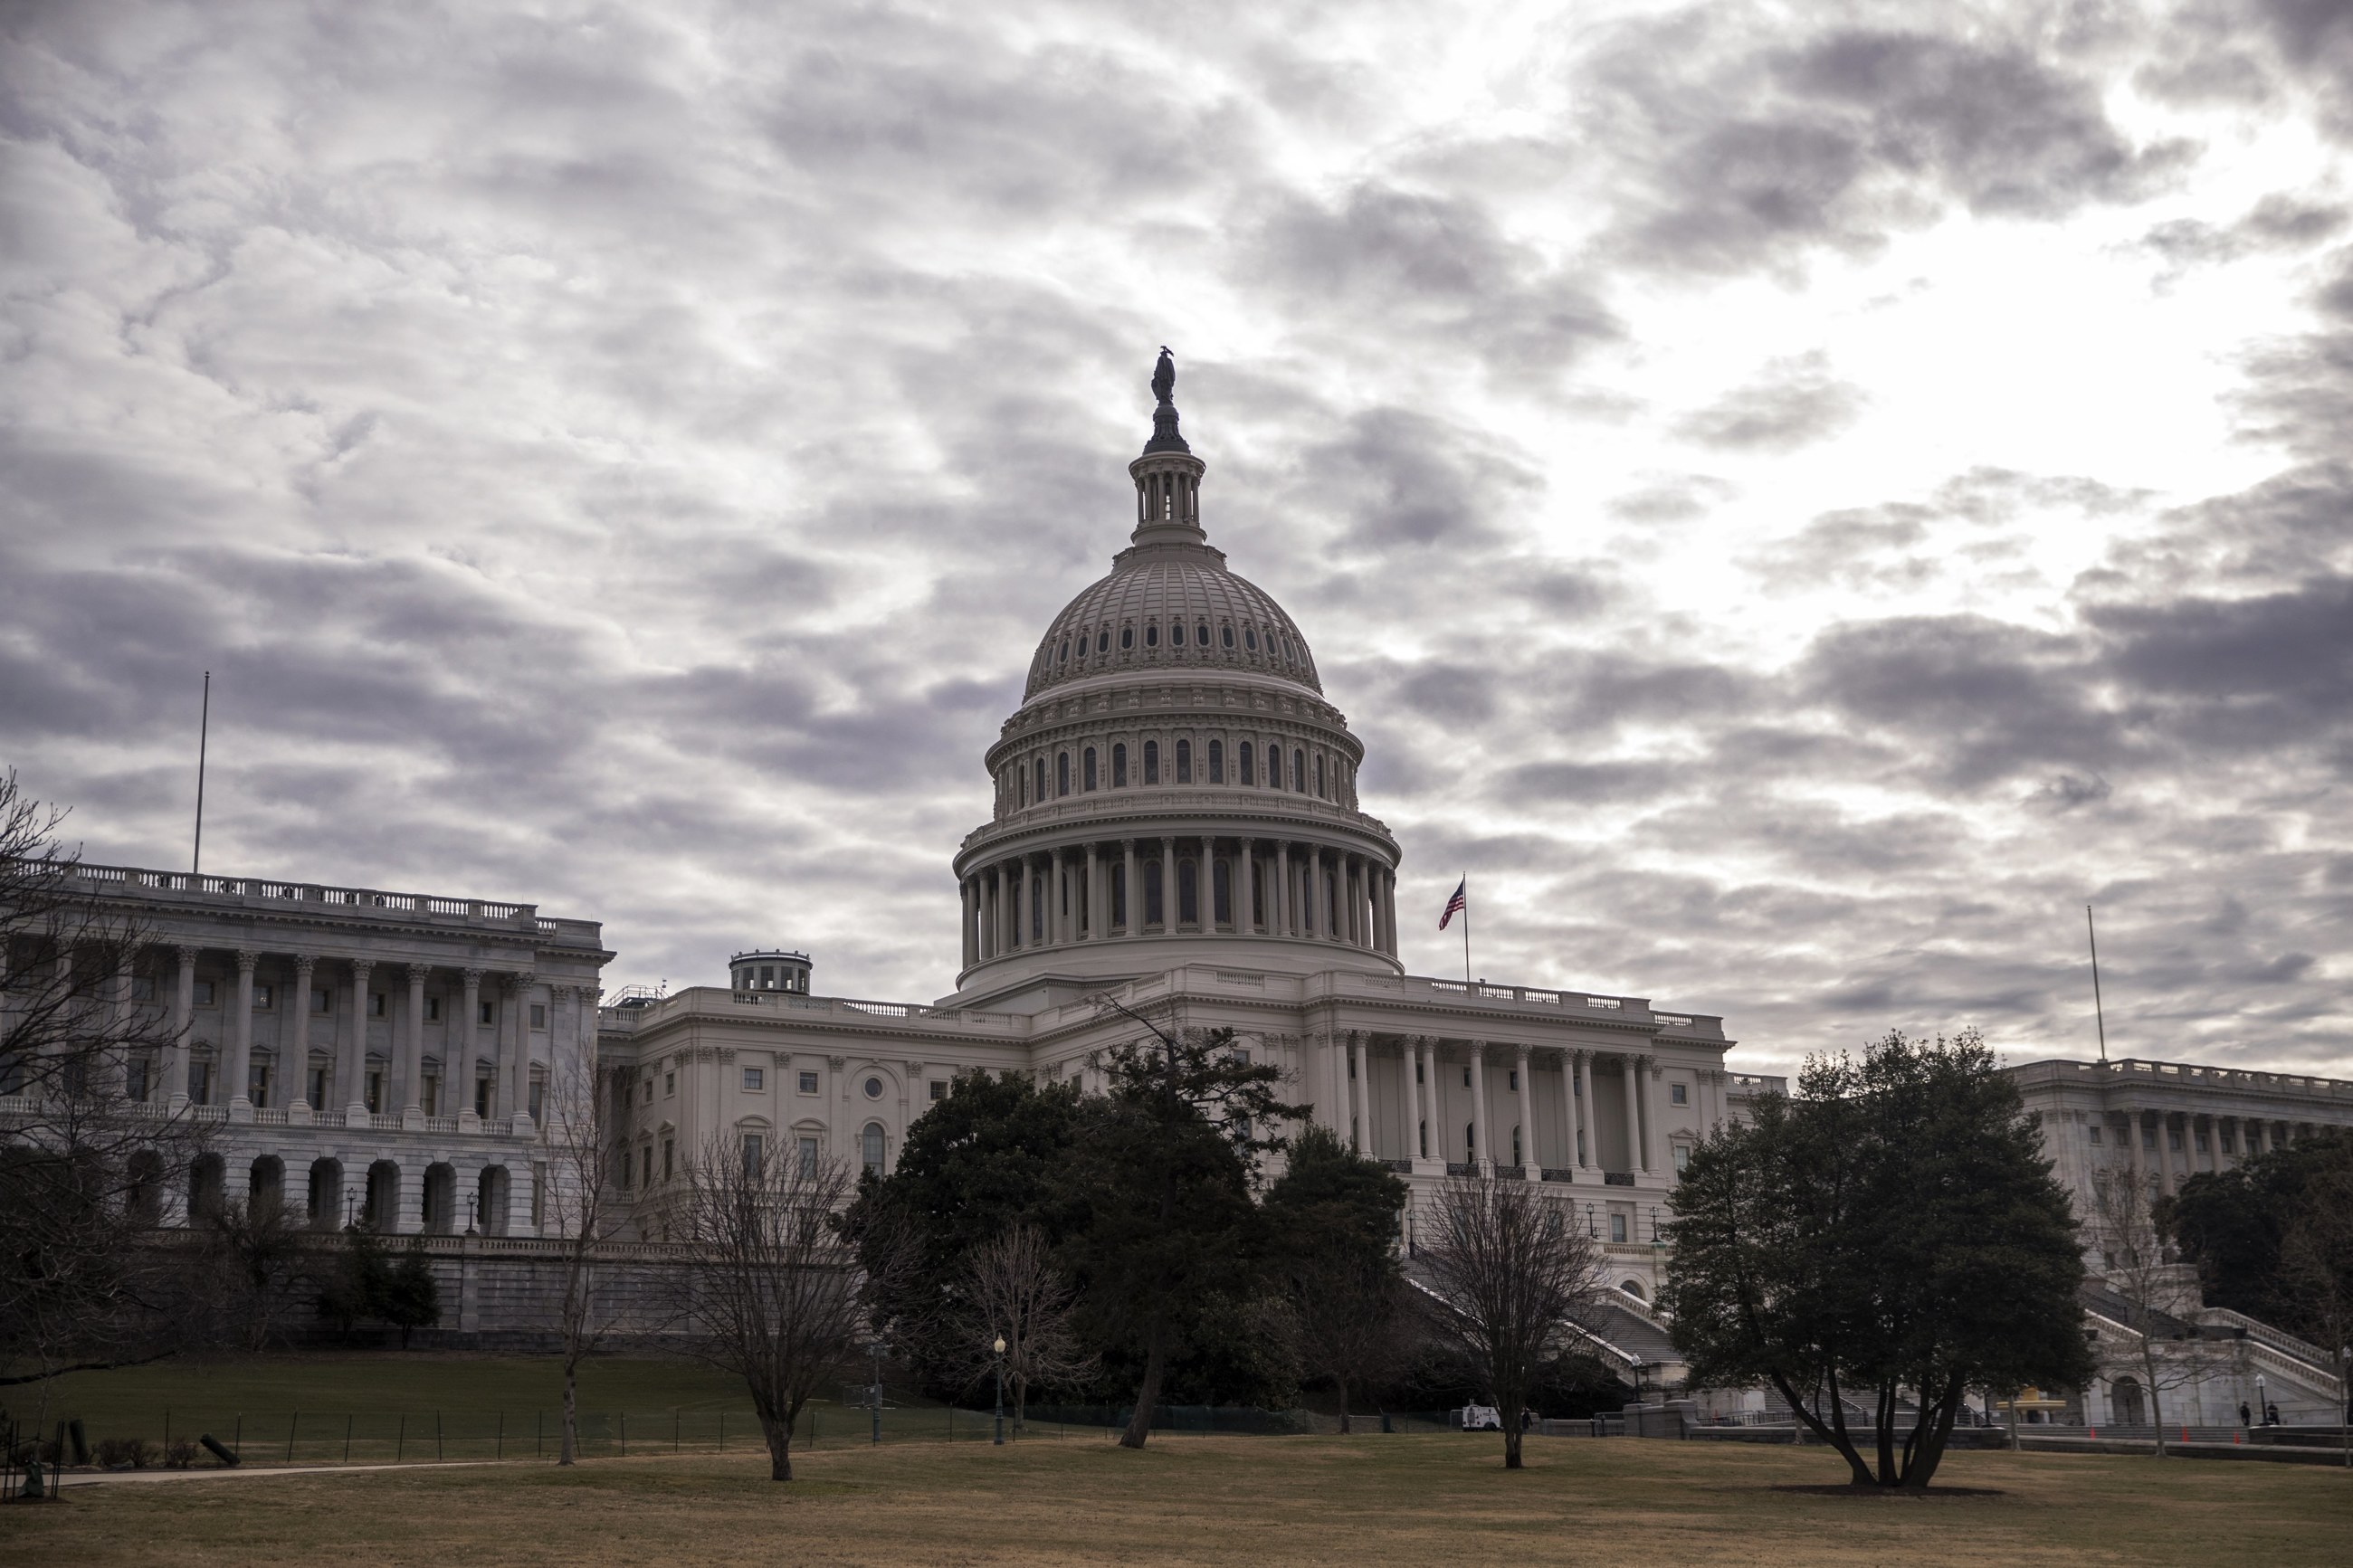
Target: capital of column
point(513, 982)
point(303, 964)
point(415, 973)
point(1478, 1051)
point(474, 976)
point(187, 955)
point(360, 967)
point(247, 961)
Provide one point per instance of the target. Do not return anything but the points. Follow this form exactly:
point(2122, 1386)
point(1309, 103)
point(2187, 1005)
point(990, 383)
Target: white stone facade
point(350, 1050)
point(1176, 827)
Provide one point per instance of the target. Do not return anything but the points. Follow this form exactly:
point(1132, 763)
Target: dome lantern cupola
point(1167, 476)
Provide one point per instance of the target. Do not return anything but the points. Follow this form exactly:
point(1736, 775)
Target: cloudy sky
point(1797, 499)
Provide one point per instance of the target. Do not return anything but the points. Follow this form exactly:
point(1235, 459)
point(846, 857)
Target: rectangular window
point(322, 1000)
point(626, 1165)
point(262, 995)
point(433, 1009)
point(318, 1087)
point(1119, 766)
point(751, 1155)
point(1682, 1158)
point(808, 1083)
point(1466, 1078)
point(754, 1080)
point(256, 1085)
point(539, 1014)
point(200, 1083)
point(646, 1157)
point(137, 1078)
point(142, 988)
point(669, 1086)
point(1512, 1079)
point(939, 1089)
point(377, 1005)
point(483, 1096)
point(430, 1094)
point(649, 1088)
point(375, 1090)
point(2095, 1130)
point(1216, 761)
point(1616, 1227)
point(808, 1157)
point(1678, 1094)
point(204, 992)
point(667, 1147)
point(490, 1012)
point(538, 1096)
point(1152, 761)
point(538, 1191)
point(1418, 1075)
point(1243, 758)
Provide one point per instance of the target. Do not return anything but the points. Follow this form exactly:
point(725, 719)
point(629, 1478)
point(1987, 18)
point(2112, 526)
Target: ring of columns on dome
point(1098, 889)
point(343, 1079)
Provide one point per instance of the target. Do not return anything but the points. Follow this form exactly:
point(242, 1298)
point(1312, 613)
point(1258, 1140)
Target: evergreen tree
point(1894, 1232)
point(408, 1299)
point(1332, 1217)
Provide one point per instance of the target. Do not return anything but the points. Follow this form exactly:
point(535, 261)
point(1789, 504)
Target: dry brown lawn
point(1364, 1500)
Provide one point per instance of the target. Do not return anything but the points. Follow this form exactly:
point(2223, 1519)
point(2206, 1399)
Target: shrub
point(180, 1455)
point(127, 1453)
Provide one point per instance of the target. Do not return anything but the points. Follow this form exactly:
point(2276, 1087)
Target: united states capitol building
point(1175, 833)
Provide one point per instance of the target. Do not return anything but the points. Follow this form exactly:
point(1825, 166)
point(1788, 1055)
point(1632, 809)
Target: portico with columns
point(316, 1028)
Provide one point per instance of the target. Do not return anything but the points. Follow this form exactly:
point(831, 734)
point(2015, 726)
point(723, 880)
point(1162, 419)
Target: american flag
point(1457, 904)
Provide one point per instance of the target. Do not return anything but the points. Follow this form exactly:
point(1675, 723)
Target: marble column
point(2133, 1149)
point(1362, 1110)
point(238, 1069)
point(354, 1054)
point(1425, 1080)
point(1633, 1069)
point(1389, 909)
point(412, 1050)
point(1168, 904)
point(1482, 1147)
point(1647, 1096)
point(184, 1008)
point(2165, 1150)
point(1131, 892)
point(458, 1053)
point(1318, 912)
point(1058, 900)
point(1527, 1102)
point(517, 1109)
point(1278, 893)
point(294, 1037)
point(1205, 884)
point(1096, 905)
point(963, 895)
point(1581, 1099)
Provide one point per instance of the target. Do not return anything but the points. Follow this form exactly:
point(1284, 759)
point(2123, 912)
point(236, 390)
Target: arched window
point(1184, 762)
point(1274, 767)
point(1188, 892)
point(1064, 657)
point(1089, 768)
point(1226, 636)
point(1216, 761)
point(1156, 887)
point(1025, 788)
point(1319, 776)
point(1119, 765)
point(1242, 758)
point(869, 1147)
point(1041, 781)
point(1063, 774)
point(1222, 901)
point(1201, 633)
point(1176, 634)
point(1250, 639)
point(1152, 761)
point(1299, 770)
point(1103, 640)
point(1152, 634)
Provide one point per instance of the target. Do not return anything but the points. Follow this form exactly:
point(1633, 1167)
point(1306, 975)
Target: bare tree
point(86, 1155)
point(253, 1264)
point(2317, 1271)
point(584, 1214)
point(1348, 1322)
point(2154, 1297)
point(772, 1284)
point(1012, 1291)
point(1507, 1269)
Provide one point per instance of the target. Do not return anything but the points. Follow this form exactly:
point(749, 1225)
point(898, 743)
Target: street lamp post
point(1000, 1389)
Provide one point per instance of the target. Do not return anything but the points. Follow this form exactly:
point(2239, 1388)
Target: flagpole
point(204, 734)
point(1466, 928)
point(2098, 1012)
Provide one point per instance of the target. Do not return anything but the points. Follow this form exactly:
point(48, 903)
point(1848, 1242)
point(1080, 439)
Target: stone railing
point(251, 890)
point(1105, 808)
point(2138, 1071)
point(707, 1000)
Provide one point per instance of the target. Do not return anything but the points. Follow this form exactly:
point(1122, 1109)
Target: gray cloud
point(1791, 403)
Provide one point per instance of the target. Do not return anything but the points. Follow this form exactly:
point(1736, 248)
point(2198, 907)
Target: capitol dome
point(1175, 787)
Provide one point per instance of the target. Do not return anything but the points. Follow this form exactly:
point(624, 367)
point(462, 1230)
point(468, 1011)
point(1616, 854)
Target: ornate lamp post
point(472, 1199)
point(1000, 1389)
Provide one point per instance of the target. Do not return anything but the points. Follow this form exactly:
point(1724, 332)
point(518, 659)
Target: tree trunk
point(1511, 1414)
point(1832, 1432)
point(1884, 1410)
point(1936, 1429)
point(570, 1450)
point(2156, 1410)
point(1139, 1425)
point(1343, 1384)
point(779, 1435)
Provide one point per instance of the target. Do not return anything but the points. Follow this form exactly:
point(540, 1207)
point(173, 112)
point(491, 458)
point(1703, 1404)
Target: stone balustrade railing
point(426, 906)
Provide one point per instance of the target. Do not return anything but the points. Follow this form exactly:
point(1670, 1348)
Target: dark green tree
point(1332, 1221)
point(1893, 1230)
point(976, 1165)
point(355, 1282)
point(1162, 1173)
point(408, 1299)
point(2232, 1224)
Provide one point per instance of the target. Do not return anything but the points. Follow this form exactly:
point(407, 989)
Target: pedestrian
point(2246, 1417)
point(2271, 1414)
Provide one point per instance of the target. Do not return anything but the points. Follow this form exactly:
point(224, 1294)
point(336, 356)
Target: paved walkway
point(223, 1472)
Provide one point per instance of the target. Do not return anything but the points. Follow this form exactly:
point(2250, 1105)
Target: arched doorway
point(441, 1214)
point(265, 1185)
point(2125, 1395)
point(207, 1182)
point(382, 1213)
point(490, 1201)
point(326, 1203)
point(143, 1195)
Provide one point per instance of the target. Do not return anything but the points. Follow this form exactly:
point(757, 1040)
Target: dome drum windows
point(1176, 634)
point(1152, 761)
point(1226, 636)
point(1298, 769)
point(1041, 796)
point(1103, 640)
point(1184, 762)
point(1201, 633)
point(1216, 761)
point(1152, 634)
point(1087, 768)
point(1062, 775)
point(1242, 764)
point(1126, 639)
point(1119, 765)
point(1250, 639)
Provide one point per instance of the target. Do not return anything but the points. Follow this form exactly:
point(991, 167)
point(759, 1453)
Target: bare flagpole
point(1466, 928)
point(2099, 1014)
point(204, 734)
